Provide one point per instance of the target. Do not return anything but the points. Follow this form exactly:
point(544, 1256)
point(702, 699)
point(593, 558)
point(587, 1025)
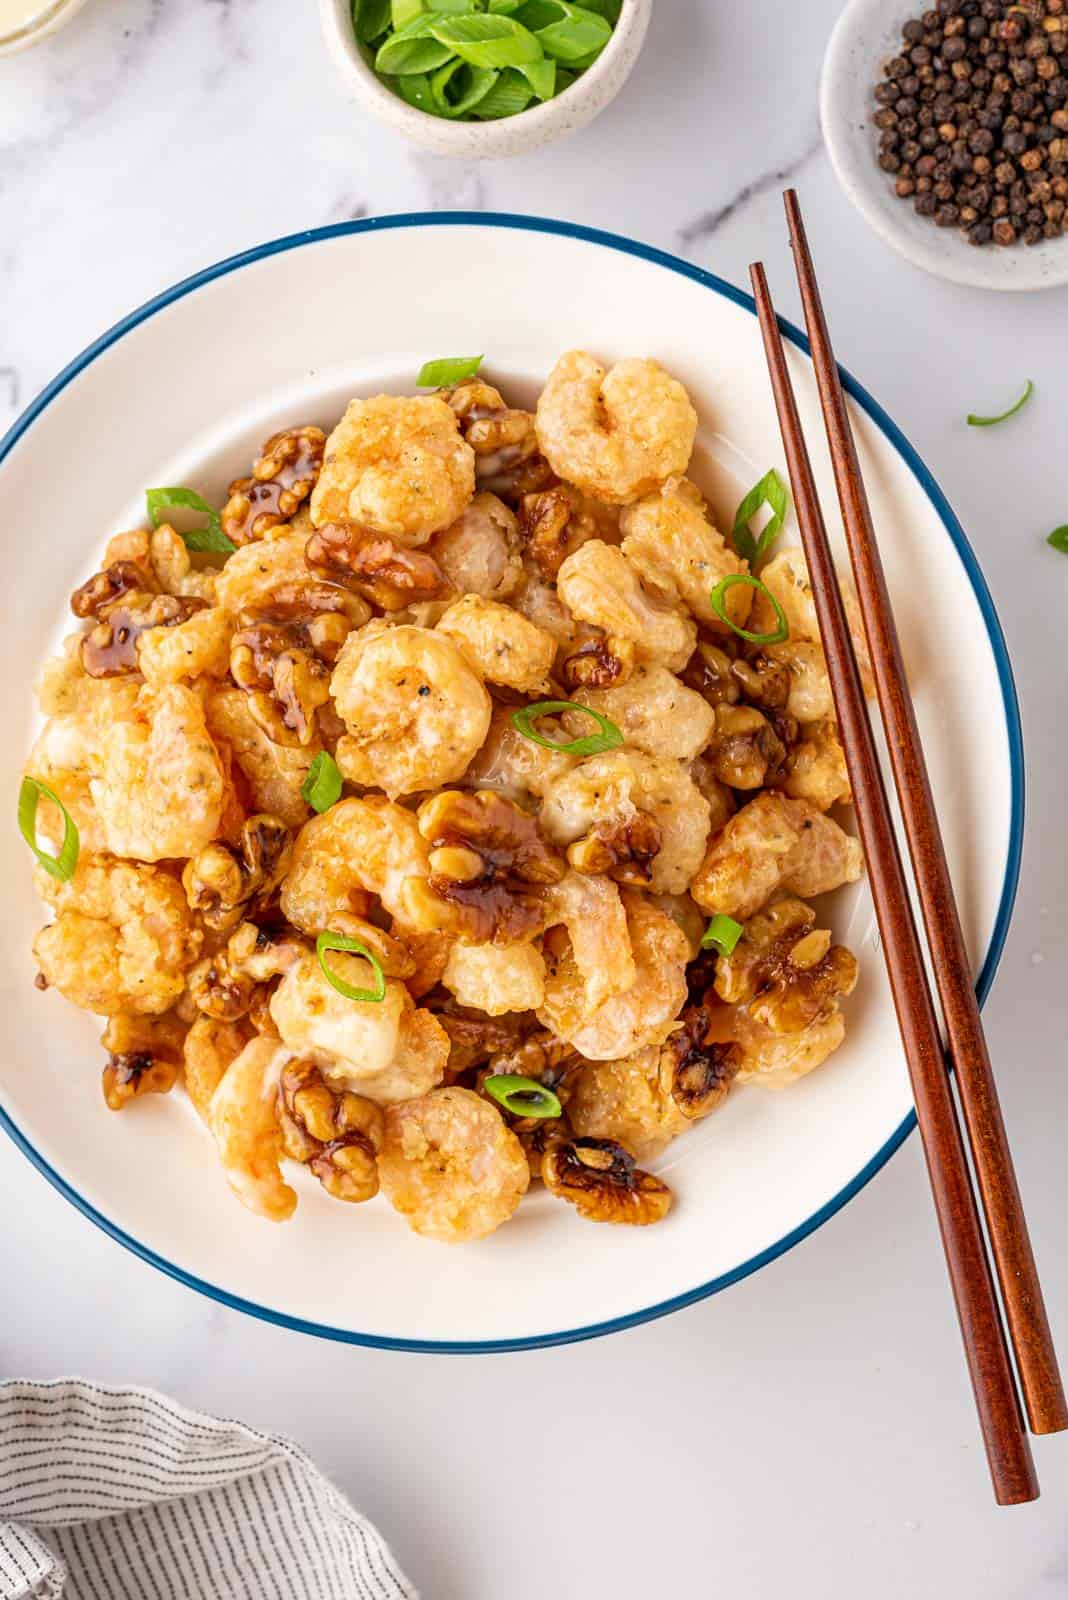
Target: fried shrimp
point(604, 796)
point(359, 848)
point(503, 647)
point(671, 542)
point(626, 1101)
point(774, 843)
point(615, 433)
point(479, 552)
point(396, 466)
point(786, 576)
point(270, 578)
point(123, 938)
point(415, 711)
point(450, 1166)
point(243, 1117)
point(161, 792)
point(655, 712)
point(514, 765)
point(599, 585)
point(496, 978)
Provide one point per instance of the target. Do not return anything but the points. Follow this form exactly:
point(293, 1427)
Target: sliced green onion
point(322, 786)
point(722, 934)
point(404, 12)
point(510, 95)
point(339, 941)
point(1059, 539)
point(541, 75)
point(415, 88)
point(578, 34)
point(609, 738)
point(772, 492)
point(989, 422)
point(60, 867)
point(402, 55)
point(487, 41)
point(371, 19)
point(442, 374)
point(210, 538)
point(523, 1097)
point(716, 599)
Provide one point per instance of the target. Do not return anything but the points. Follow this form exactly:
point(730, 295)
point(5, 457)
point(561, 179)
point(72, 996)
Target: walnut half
point(786, 969)
point(388, 574)
point(144, 1057)
point(600, 1179)
point(696, 1070)
point(624, 849)
point(334, 1132)
point(221, 881)
point(490, 866)
point(282, 479)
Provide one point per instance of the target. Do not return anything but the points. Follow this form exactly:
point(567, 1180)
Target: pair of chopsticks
point(986, 1350)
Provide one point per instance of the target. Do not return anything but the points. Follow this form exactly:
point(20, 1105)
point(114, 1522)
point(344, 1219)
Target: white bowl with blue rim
point(765, 1170)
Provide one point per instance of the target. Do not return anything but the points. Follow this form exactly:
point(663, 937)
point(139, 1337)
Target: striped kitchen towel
point(120, 1494)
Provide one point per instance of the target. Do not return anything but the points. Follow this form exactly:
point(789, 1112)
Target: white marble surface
point(810, 1430)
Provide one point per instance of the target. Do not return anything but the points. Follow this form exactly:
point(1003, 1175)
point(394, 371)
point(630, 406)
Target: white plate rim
point(1010, 705)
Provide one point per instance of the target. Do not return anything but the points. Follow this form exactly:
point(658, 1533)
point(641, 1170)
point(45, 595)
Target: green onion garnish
point(988, 422)
point(716, 599)
point(523, 1097)
point(609, 738)
point(322, 786)
point(210, 538)
point(772, 492)
point(60, 867)
point(486, 41)
point(442, 374)
point(579, 36)
point(339, 941)
point(1059, 539)
point(722, 934)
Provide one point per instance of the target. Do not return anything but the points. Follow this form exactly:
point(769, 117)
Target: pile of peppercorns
point(973, 118)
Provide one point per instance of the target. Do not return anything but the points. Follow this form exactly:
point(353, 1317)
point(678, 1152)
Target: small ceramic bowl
point(48, 19)
point(508, 136)
point(867, 33)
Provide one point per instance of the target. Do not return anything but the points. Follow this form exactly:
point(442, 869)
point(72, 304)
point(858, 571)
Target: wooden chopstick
point(1021, 1291)
point(1007, 1446)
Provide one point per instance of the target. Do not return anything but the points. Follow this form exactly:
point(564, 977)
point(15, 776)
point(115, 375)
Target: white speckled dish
point(867, 32)
point(49, 19)
point(509, 136)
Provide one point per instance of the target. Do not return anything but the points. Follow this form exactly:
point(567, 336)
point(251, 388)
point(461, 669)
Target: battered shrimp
point(513, 764)
point(774, 843)
point(775, 1060)
point(273, 773)
point(626, 1101)
point(414, 710)
point(360, 847)
point(615, 434)
point(496, 978)
point(816, 769)
point(605, 794)
point(397, 466)
point(385, 1050)
point(786, 575)
point(162, 790)
point(243, 1116)
point(654, 711)
point(67, 752)
point(123, 938)
point(599, 585)
point(210, 1046)
point(809, 696)
point(450, 1166)
point(196, 648)
point(271, 575)
point(163, 557)
point(479, 553)
point(502, 646)
point(641, 1015)
point(670, 541)
point(592, 911)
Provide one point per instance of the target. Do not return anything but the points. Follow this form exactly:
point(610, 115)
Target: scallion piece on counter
point(322, 787)
point(722, 934)
point(717, 599)
point(523, 1097)
point(339, 941)
point(207, 540)
point(989, 422)
point(772, 492)
point(442, 374)
point(609, 737)
point(1059, 539)
point(60, 867)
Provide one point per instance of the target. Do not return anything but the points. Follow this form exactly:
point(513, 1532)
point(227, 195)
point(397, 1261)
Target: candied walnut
point(384, 572)
point(763, 680)
point(507, 460)
point(816, 767)
point(333, 1131)
point(282, 479)
point(489, 868)
point(600, 663)
point(110, 648)
point(600, 1179)
point(104, 588)
point(556, 521)
point(222, 880)
point(786, 969)
point(696, 1069)
point(475, 1037)
point(745, 750)
point(542, 1057)
point(229, 984)
point(284, 668)
point(623, 849)
point(144, 1056)
point(710, 670)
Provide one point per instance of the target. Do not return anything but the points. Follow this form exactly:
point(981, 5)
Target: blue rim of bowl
point(921, 472)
